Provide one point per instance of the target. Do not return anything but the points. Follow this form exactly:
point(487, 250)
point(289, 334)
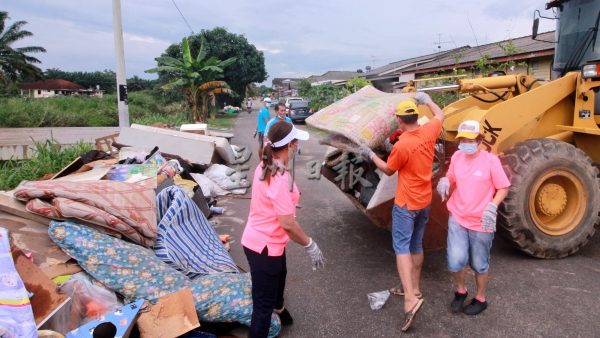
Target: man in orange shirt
point(412, 158)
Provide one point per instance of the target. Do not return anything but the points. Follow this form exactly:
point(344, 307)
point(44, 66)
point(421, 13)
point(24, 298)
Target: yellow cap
point(469, 129)
point(406, 108)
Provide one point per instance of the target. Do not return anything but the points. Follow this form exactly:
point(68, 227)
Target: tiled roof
point(52, 85)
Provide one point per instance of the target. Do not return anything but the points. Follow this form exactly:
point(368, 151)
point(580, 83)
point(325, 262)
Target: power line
point(183, 17)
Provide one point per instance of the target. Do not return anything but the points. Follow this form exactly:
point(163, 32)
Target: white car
point(290, 99)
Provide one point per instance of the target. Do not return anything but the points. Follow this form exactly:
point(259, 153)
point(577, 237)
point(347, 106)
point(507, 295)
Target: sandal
point(398, 291)
point(409, 316)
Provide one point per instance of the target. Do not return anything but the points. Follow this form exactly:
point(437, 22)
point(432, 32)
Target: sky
point(298, 38)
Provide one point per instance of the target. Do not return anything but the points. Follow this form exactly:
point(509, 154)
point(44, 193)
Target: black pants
point(268, 284)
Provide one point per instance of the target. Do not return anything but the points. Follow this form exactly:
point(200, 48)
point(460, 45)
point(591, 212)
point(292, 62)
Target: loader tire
point(553, 205)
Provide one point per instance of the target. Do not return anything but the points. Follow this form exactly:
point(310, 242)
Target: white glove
point(443, 188)
point(365, 151)
point(421, 98)
point(488, 219)
point(316, 256)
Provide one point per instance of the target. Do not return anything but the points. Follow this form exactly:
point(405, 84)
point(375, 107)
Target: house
point(56, 87)
point(283, 87)
point(533, 57)
point(335, 77)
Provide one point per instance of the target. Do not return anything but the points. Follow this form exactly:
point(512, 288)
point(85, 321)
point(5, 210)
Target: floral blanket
point(135, 272)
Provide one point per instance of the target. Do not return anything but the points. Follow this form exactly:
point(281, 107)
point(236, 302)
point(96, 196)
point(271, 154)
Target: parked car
point(274, 102)
point(291, 99)
point(298, 110)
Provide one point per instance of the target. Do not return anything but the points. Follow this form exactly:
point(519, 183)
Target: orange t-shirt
point(412, 157)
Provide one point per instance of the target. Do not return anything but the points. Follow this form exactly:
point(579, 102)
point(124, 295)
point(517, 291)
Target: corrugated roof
point(56, 84)
point(376, 72)
point(333, 75)
point(524, 47)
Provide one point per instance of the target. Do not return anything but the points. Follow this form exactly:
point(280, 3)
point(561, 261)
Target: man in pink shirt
point(479, 185)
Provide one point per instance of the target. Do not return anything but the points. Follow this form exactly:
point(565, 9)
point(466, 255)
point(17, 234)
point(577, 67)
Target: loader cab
point(576, 36)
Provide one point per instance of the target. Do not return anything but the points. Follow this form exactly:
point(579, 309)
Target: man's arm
point(382, 165)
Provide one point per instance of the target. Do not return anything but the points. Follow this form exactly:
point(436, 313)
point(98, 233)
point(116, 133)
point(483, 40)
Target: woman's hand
point(316, 256)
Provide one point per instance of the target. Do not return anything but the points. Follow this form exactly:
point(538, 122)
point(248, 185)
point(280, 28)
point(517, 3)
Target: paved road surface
point(528, 297)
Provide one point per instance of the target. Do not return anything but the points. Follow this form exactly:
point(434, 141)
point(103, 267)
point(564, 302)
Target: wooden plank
point(13, 206)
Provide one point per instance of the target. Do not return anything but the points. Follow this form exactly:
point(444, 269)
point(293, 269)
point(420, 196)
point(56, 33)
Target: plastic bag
point(89, 301)
point(378, 299)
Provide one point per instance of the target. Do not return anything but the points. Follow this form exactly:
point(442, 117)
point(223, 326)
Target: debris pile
point(119, 243)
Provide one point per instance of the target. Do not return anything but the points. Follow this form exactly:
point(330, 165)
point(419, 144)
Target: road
point(527, 297)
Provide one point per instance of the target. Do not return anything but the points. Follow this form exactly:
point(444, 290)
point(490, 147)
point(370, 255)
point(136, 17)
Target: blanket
point(129, 209)
point(186, 240)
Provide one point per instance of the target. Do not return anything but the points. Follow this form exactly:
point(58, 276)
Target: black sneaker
point(285, 317)
point(476, 307)
point(458, 301)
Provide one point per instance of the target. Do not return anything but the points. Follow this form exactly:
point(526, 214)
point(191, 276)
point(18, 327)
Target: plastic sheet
point(89, 301)
point(378, 299)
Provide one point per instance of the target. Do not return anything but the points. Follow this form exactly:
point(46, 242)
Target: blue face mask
point(468, 148)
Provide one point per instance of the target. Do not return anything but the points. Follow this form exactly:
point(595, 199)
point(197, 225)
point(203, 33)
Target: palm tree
point(195, 76)
point(14, 62)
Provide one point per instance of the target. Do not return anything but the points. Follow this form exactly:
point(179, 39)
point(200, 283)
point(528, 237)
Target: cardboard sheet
point(172, 316)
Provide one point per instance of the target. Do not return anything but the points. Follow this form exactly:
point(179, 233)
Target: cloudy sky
point(299, 38)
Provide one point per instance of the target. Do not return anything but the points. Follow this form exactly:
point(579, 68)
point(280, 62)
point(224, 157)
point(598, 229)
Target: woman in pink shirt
point(271, 224)
point(479, 185)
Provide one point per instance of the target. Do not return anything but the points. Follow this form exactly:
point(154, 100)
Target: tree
point(249, 65)
point(323, 95)
point(264, 91)
point(106, 79)
point(14, 62)
point(195, 76)
point(304, 87)
point(357, 83)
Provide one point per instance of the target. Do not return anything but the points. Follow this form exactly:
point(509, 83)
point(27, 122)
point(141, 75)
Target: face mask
point(268, 105)
point(468, 148)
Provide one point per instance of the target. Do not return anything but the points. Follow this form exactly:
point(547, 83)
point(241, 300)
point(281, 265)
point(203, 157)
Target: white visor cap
point(295, 134)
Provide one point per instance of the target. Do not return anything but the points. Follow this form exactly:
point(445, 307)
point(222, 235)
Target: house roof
point(279, 80)
point(56, 84)
point(466, 55)
point(333, 75)
point(525, 48)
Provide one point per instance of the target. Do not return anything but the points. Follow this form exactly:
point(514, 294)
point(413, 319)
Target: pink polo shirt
point(269, 199)
point(476, 181)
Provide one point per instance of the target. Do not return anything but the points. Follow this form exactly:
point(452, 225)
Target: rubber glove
point(443, 188)
point(488, 219)
point(316, 256)
point(365, 151)
point(421, 98)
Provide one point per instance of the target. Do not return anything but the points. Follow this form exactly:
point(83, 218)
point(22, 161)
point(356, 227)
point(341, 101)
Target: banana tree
point(193, 75)
point(209, 90)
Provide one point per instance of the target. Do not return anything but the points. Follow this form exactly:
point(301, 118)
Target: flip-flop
point(398, 291)
point(409, 316)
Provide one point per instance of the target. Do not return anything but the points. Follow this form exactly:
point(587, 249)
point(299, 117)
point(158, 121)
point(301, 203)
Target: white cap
point(469, 129)
point(295, 134)
point(266, 99)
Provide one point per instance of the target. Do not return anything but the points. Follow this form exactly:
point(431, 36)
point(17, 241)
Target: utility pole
point(120, 55)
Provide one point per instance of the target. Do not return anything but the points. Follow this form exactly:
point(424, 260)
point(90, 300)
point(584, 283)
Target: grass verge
point(49, 157)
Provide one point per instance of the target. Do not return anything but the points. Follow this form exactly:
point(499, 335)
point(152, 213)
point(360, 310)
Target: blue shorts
point(468, 246)
point(408, 227)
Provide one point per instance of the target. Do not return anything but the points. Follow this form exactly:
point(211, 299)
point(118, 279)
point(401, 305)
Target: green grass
point(71, 111)
point(222, 122)
point(49, 157)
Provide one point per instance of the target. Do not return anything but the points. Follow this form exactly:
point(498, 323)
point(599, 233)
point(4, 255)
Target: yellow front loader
point(548, 138)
